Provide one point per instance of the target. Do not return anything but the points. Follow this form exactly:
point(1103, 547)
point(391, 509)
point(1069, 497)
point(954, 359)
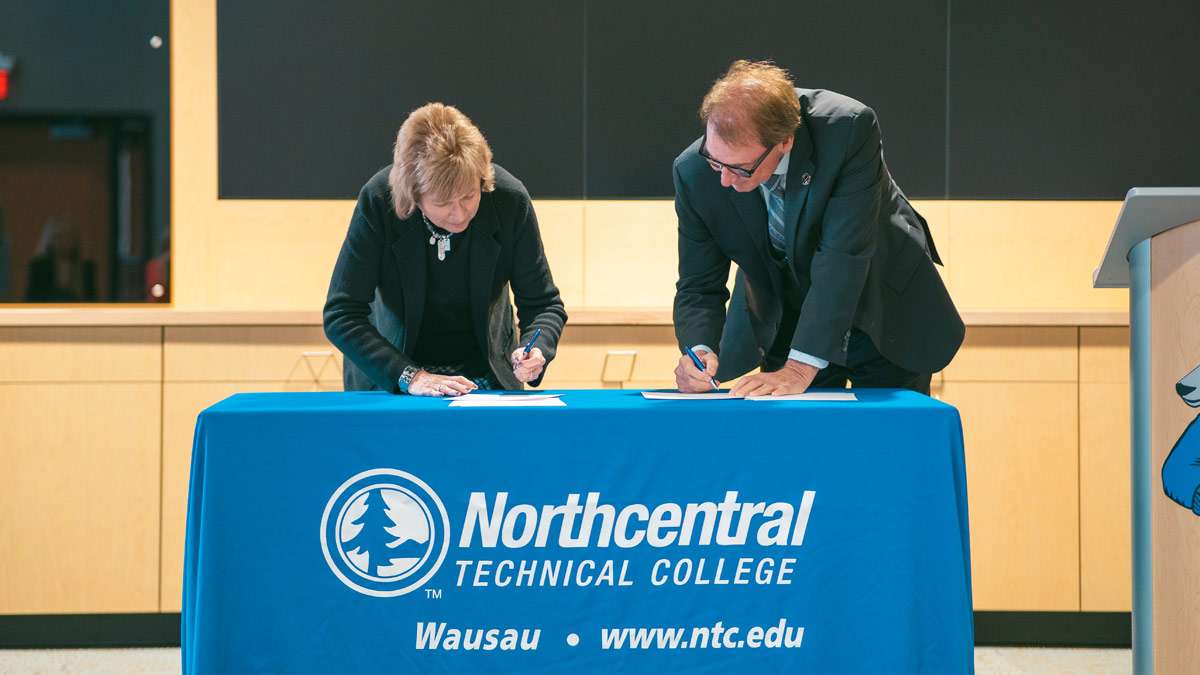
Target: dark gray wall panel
point(81, 58)
point(650, 64)
point(312, 93)
point(1073, 99)
point(1067, 100)
point(85, 57)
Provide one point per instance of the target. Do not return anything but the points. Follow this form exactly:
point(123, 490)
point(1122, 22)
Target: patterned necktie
point(775, 226)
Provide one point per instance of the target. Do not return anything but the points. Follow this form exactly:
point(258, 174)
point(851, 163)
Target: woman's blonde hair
point(439, 153)
point(753, 101)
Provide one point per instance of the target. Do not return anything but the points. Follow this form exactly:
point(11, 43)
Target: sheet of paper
point(509, 402)
point(680, 396)
point(808, 396)
point(500, 397)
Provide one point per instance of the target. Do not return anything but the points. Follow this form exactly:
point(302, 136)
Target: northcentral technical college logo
point(384, 532)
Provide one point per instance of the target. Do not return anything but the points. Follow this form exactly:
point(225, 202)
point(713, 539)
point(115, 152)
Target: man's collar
point(783, 164)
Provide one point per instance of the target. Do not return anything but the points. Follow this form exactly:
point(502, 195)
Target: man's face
point(744, 156)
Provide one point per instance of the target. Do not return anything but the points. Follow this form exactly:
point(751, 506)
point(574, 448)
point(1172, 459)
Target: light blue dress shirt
point(795, 354)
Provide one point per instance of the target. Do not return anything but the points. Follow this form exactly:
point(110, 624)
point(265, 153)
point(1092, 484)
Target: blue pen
point(699, 365)
point(532, 339)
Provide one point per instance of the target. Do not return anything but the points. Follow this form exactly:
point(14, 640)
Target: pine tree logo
point(384, 532)
point(391, 535)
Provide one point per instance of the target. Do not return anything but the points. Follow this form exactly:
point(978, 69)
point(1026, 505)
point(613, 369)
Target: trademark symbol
point(433, 594)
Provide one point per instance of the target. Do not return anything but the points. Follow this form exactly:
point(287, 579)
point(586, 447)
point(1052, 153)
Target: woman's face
point(452, 214)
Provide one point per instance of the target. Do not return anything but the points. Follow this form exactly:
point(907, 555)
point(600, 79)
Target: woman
point(419, 299)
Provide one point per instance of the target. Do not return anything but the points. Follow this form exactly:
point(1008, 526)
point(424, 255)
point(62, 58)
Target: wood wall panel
point(631, 253)
point(561, 225)
point(1030, 255)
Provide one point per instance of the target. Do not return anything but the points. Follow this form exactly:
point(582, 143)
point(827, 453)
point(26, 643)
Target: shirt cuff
point(814, 361)
point(703, 348)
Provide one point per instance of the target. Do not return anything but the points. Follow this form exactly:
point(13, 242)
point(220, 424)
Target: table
point(364, 532)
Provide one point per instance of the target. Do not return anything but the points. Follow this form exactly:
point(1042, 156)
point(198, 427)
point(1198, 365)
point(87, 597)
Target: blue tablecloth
point(370, 533)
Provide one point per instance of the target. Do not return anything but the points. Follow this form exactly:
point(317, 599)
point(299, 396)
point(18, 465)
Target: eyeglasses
point(717, 165)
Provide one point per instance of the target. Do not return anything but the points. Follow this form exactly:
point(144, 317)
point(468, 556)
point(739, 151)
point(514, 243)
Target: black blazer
point(377, 294)
point(860, 254)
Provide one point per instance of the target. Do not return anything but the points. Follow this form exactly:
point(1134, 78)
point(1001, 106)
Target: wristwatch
point(406, 377)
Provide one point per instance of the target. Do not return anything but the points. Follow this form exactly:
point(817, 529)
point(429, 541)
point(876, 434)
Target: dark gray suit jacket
point(860, 254)
point(377, 294)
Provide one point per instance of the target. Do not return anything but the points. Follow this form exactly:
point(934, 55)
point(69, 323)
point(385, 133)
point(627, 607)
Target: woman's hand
point(528, 367)
point(428, 384)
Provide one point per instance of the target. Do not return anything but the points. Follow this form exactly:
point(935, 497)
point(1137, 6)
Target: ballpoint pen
point(700, 365)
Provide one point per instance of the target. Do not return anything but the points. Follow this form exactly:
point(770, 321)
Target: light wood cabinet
point(79, 469)
point(79, 491)
point(1016, 389)
point(597, 357)
point(203, 365)
point(1104, 466)
point(1023, 492)
point(96, 430)
point(1016, 354)
point(182, 405)
point(81, 354)
point(299, 354)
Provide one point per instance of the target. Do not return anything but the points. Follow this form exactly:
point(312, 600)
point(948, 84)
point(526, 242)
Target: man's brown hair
point(753, 101)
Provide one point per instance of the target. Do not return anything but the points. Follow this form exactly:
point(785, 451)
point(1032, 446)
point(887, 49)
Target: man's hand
point(528, 367)
point(690, 379)
point(428, 384)
point(793, 378)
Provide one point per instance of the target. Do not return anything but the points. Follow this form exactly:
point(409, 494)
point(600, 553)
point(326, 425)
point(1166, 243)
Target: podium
point(1154, 250)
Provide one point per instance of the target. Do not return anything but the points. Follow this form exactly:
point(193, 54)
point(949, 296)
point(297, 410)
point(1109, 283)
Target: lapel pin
point(805, 179)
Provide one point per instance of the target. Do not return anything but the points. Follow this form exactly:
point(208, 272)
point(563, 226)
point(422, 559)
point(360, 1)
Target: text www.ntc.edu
point(717, 636)
point(440, 636)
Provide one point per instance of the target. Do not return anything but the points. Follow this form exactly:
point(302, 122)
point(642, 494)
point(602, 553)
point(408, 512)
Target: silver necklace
point(436, 237)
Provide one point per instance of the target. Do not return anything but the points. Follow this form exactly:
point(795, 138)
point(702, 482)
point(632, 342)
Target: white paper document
point(507, 401)
point(509, 397)
point(711, 395)
point(808, 396)
point(681, 396)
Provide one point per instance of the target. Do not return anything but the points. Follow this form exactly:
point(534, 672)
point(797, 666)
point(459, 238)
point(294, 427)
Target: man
point(835, 268)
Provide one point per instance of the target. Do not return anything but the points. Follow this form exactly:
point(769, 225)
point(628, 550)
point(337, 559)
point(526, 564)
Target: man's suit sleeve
point(847, 243)
point(348, 303)
point(701, 292)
